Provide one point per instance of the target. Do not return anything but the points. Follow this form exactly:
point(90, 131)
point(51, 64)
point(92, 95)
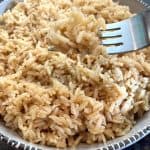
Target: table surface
point(141, 145)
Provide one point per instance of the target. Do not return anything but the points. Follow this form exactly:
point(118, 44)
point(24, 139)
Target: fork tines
point(125, 36)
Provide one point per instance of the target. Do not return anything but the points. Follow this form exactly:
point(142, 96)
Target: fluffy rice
point(58, 87)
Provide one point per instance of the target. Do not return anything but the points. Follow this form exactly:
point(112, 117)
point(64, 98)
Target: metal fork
point(128, 35)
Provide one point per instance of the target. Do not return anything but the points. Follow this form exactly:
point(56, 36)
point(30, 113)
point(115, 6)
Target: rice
point(58, 87)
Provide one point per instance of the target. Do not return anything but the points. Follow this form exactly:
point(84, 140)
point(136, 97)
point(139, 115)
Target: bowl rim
point(120, 145)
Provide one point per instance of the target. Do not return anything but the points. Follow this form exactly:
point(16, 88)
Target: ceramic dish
point(140, 130)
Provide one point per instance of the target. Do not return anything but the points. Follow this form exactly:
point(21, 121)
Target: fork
point(128, 35)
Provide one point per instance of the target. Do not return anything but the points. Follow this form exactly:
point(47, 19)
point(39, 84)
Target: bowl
point(140, 130)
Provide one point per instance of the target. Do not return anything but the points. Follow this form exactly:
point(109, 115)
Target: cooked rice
point(58, 87)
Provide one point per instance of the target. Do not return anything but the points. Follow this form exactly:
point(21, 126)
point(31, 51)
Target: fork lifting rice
point(58, 87)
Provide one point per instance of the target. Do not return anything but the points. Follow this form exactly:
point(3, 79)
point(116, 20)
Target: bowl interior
point(136, 5)
point(141, 129)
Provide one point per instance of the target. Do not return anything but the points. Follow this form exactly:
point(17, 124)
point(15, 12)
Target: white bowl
point(140, 130)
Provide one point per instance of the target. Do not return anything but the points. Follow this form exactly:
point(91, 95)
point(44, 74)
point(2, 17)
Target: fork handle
point(146, 17)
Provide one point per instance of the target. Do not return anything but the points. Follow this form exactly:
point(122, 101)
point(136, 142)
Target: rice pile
point(58, 87)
